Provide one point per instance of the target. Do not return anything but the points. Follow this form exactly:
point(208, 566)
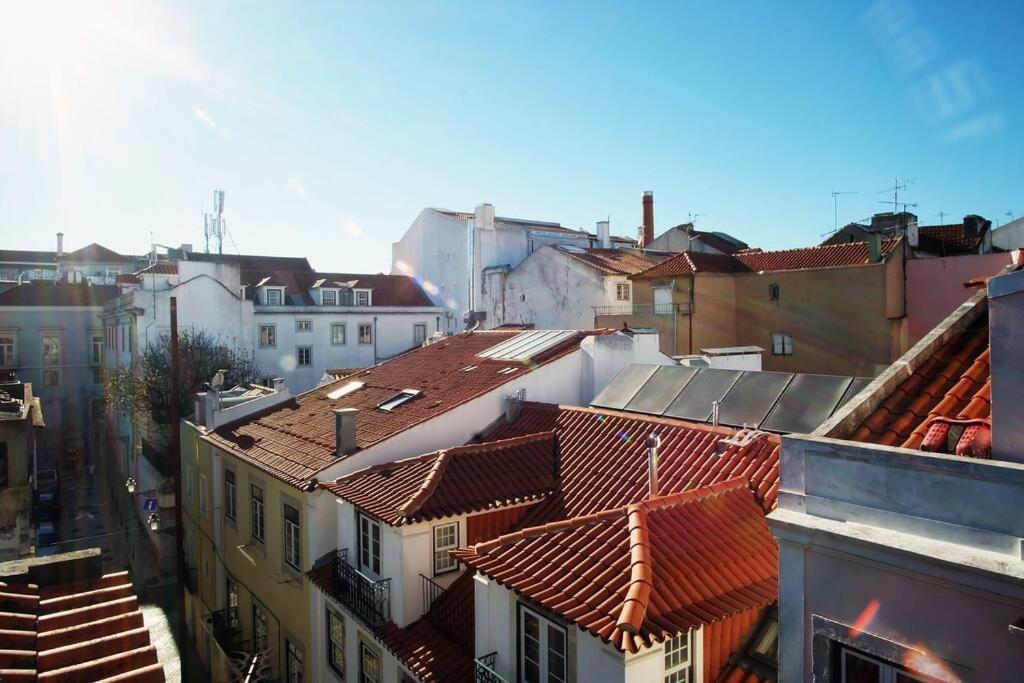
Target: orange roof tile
point(294, 440)
point(688, 263)
point(615, 261)
point(454, 481)
point(954, 383)
point(639, 574)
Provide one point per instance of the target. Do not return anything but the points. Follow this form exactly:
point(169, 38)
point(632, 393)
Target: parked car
point(47, 540)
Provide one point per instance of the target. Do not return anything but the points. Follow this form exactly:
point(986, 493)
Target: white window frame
point(887, 670)
point(324, 293)
point(362, 297)
point(259, 627)
point(677, 668)
point(292, 537)
point(293, 653)
point(186, 473)
point(545, 627)
point(416, 327)
point(267, 291)
point(95, 347)
point(365, 548)
point(51, 377)
point(8, 348)
point(782, 344)
point(365, 652)
point(56, 359)
point(202, 493)
point(344, 333)
point(336, 643)
point(444, 563)
point(271, 338)
point(622, 291)
point(257, 513)
point(298, 356)
point(304, 325)
point(369, 338)
point(230, 495)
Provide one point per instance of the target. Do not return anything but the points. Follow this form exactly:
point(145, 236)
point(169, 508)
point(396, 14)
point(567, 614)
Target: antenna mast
point(214, 224)
point(835, 209)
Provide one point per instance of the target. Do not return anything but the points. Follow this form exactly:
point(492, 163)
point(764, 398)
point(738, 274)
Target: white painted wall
point(1009, 236)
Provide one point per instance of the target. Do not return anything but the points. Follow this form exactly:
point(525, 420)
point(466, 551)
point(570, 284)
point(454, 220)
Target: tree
point(146, 386)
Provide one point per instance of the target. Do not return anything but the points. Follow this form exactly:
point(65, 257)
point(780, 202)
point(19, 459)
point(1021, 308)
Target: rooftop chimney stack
point(60, 244)
point(345, 430)
point(874, 247)
point(653, 441)
point(648, 230)
point(1006, 325)
point(604, 235)
point(483, 217)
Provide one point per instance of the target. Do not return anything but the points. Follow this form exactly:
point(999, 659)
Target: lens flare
point(865, 618)
point(403, 268)
point(287, 363)
point(430, 288)
point(920, 660)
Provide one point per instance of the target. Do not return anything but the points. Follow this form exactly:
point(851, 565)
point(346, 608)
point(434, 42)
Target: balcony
point(451, 610)
point(483, 669)
point(369, 600)
point(227, 630)
point(643, 309)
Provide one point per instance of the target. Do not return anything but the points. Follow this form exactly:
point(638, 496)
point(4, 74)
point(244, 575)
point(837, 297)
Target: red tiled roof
point(296, 439)
point(126, 279)
point(954, 383)
point(93, 253)
point(637, 575)
point(454, 481)
point(250, 261)
point(159, 268)
point(952, 238)
point(388, 290)
point(41, 293)
point(755, 260)
point(615, 261)
point(289, 279)
point(717, 241)
point(736, 674)
point(603, 458)
point(82, 631)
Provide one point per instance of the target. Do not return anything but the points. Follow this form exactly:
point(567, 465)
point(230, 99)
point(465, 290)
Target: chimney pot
point(647, 236)
point(345, 430)
point(653, 441)
point(60, 244)
point(604, 237)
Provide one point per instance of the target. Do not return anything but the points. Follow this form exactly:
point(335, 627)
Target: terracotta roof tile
point(616, 261)
point(454, 481)
point(688, 263)
point(639, 574)
point(953, 384)
point(40, 293)
point(951, 239)
point(294, 440)
point(387, 290)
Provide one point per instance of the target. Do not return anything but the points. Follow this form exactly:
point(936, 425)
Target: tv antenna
point(835, 208)
point(214, 224)
point(694, 217)
point(897, 185)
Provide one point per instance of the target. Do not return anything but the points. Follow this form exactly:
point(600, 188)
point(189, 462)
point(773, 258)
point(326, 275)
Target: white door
point(542, 649)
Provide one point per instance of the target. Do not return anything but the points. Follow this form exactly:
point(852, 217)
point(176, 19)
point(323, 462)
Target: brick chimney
point(647, 236)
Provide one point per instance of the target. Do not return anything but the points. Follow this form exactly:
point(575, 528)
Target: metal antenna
point(835, 208)
point(897, 185)
point(694, 217)
point(213, 224)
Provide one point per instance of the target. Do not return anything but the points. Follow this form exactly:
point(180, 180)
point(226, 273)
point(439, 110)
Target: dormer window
point(328, 297)
point(399, 399)
point(362, 297)
point(275, 295)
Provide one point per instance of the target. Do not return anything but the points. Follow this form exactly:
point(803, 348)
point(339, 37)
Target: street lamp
point(130, 484)
point(154, 522)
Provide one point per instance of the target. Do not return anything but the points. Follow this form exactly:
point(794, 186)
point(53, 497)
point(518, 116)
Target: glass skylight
point(345, 390)
point(526, 345)
point(399, 399)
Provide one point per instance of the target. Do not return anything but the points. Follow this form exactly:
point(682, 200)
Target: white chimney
point(278, 384)
point(653, 441)
point(483, 217)
point(1005, 326)
point(60, 244)
point(913, 233)
point(604, 236)
point(345, 430)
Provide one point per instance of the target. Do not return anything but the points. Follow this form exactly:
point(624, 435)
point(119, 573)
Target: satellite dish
point(218, 381)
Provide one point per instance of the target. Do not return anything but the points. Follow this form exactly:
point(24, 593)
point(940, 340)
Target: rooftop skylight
point(399, 399)
point(526, 345)
point(345, 390)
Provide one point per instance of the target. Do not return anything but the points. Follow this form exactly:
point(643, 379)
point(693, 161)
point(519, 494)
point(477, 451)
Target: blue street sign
point(149, 505)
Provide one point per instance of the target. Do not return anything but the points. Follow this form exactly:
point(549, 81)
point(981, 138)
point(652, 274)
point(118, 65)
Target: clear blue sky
point(330, 125)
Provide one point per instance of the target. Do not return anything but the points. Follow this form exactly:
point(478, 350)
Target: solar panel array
point(782, 402)
point(526, 345)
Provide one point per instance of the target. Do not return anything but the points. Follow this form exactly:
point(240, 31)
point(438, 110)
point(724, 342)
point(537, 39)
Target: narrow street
point(89, 517)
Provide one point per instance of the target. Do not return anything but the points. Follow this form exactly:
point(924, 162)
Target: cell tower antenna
point(214, 224)
point(835, 208)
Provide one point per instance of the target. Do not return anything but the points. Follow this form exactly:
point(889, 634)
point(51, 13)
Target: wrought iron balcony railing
point(483, 669)
point(368, 599)
point(643, 309)
point(227, 630)
point(451, 616)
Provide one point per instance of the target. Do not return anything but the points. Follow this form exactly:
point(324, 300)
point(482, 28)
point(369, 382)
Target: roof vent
point(741, 439)
point(514, 405)
point(345, 431)
point(653, 441)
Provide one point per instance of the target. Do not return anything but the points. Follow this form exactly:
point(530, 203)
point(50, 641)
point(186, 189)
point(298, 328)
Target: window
point(857, 667)
point(51, 378)
point(186, 473)
point(663, 300)
point(257, 513)
point(274, 297)
point(345, 298)
point(231, 602)
point(97, 349)
point(202, 493)
point(542, 653)
point(293, 663)
point(259, 628)
point(336, 643)
point(97, 374)
point(338, 334)
point(304, 355)
point(229, 494)
point(399, 399)
point(369, 545)
point(369, 664)
point(365, 333)
point(362, 297)
point(773, 292)
point(268, 336)
point(303, 325)
point(782, 344)
point(51, 349)
point(679, 659)
point(7, 348)
point(3, 463)
point(446, 537)
point(622, 291)
point(419, 333)
point(328, 297)
point(292, 538)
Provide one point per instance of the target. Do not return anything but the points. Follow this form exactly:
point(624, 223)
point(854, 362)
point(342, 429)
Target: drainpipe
point(693, 287)
point(375, 360)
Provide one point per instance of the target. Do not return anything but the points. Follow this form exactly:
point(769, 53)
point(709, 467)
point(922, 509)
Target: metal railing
point(483, 669)
point(450, 616)
point(368, 599)
point(227, 630)
point(643, 309)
